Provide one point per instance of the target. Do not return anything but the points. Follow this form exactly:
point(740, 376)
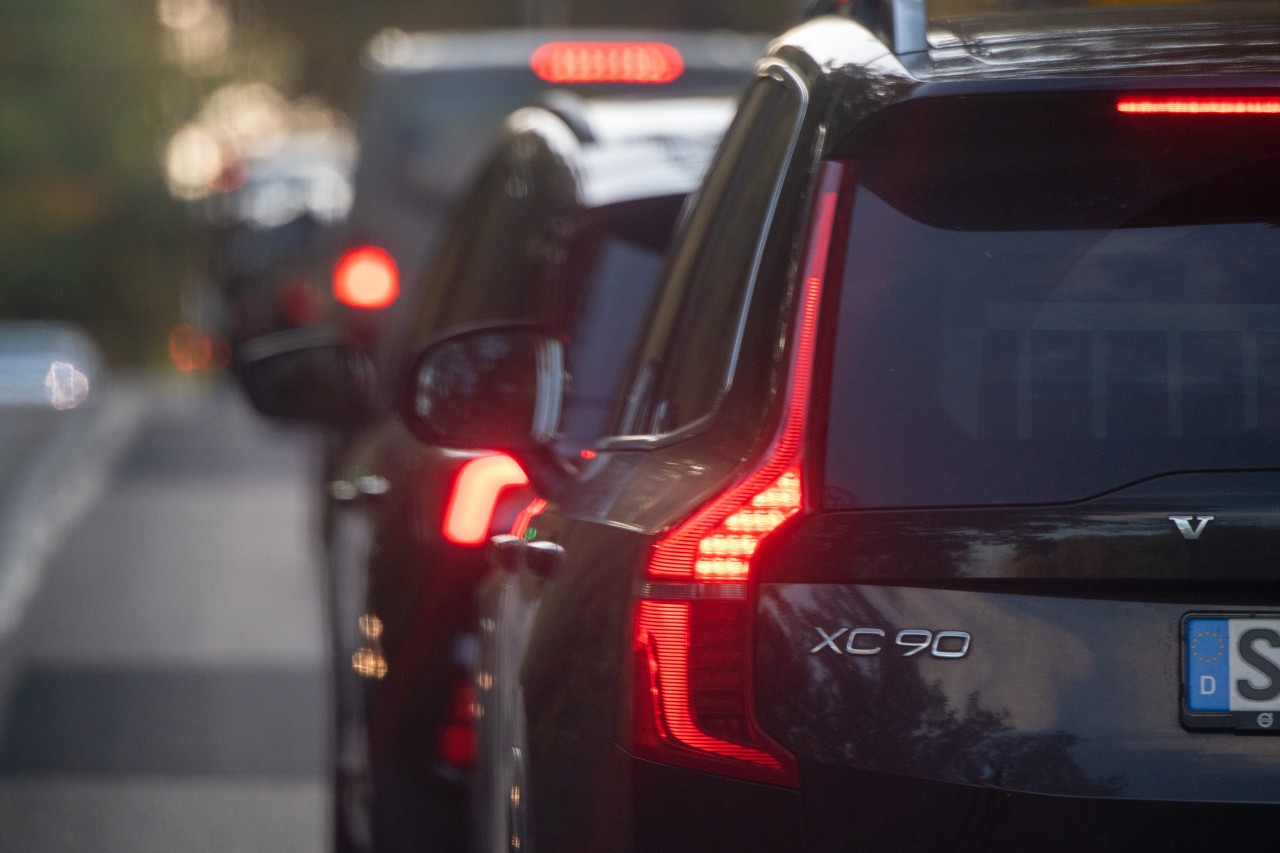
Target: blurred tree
point(330, 36)
point(91, 91)
point(87, 231)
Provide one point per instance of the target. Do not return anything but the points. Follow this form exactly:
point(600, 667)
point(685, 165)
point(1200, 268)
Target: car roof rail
point(903, 25)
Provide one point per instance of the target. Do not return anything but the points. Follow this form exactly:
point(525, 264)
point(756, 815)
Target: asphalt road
point(162, 669)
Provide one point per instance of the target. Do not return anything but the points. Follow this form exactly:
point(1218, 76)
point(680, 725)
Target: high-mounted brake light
point(366, 277)
point(606, 62)
point(1199, 105)
point(476, 490)
point(692, 652)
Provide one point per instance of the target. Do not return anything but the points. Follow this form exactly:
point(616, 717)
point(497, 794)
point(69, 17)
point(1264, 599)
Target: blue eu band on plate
point(1233, 665)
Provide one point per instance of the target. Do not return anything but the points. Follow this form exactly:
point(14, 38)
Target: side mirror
point(302, 375)
point(490, 388)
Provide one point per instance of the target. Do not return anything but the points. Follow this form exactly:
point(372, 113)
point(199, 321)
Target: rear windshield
point(1055, 302)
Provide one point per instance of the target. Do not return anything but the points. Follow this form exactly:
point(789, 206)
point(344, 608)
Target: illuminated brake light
point(725, 552)
point(607, 62)
point(366, 277)
point(479, 484)
point(524, 520)
point(457, 745)
point(663, 629)
point(1199, 105)
point(691, 648)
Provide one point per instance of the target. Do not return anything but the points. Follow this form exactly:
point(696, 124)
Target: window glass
point(1104, 311)
point(601, 301)
point(598, 350)
point(497, 254)
point(684, 363)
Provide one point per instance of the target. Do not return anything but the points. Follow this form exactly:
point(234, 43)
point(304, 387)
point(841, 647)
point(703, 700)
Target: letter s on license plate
point(1231, 672)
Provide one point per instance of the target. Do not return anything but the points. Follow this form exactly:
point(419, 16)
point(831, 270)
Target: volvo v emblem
point(1191, 526)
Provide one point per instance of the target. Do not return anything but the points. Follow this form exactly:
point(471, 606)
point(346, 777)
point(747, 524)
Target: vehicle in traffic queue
point(564, 230)
point(940, 505)
point(432, 106)
point(271, 230)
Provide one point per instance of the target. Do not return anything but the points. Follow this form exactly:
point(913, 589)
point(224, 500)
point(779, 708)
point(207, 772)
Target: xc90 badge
point(908, 642)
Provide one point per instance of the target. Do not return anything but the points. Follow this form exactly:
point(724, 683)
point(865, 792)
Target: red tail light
point(476, 490)
point(607, 62)
point(1198, 105)
point(692, 648)
point(366, 277)
point(458, 735)
point(520, 528)
point(192, 348)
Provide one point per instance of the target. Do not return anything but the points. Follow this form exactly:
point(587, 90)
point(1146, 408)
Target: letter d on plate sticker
point(1208, 673)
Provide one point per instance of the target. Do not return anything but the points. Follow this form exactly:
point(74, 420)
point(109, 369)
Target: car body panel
point(1050, 718)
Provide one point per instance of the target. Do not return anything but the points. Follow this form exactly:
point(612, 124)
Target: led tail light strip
point(692, 652)
point(1199, 105)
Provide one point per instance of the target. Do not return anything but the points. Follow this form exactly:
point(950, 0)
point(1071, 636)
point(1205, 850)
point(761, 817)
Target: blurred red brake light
point(480, 482)
point(692, 659)
point(1198, 105)
point(366, 277)
point(607, 62)
point(458, 735)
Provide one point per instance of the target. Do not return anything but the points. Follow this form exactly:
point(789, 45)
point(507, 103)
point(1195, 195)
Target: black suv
point(565, 230)
point(941, 506)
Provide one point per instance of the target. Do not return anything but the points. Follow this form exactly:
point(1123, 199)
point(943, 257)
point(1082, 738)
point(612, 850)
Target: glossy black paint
point(1059, 727)
point(1123, 538)
point(856, 810)
point(1057, 695)
point(1083, 603)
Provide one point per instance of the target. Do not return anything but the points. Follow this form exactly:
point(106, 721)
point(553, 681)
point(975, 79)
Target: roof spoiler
point(901, 24)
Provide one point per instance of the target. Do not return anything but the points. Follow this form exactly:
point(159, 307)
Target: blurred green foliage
point(88, 231)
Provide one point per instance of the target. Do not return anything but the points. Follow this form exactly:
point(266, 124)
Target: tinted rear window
point(1057, 302)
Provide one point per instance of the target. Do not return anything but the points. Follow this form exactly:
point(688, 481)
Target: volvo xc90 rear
point(942, 508)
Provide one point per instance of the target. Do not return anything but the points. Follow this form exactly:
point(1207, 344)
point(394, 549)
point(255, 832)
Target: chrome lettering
point(945, 645)
point(863, 650)
point(828, 640)
point(1185, 527)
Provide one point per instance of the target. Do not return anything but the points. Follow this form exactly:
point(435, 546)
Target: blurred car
point(52, 404)
point(44, 363)
point(433, 104)
point(565, 230)
point(940, 509)
point(271, 234)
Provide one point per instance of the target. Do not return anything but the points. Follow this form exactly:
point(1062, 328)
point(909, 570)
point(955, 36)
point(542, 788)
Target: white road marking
point(55, 490)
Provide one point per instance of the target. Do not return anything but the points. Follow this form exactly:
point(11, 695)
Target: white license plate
point(1231, 672)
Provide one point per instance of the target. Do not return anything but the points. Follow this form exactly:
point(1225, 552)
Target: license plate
point(1231, 672)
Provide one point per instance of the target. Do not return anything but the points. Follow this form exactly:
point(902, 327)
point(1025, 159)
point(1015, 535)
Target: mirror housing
point(487, 388)
point(303, 375)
